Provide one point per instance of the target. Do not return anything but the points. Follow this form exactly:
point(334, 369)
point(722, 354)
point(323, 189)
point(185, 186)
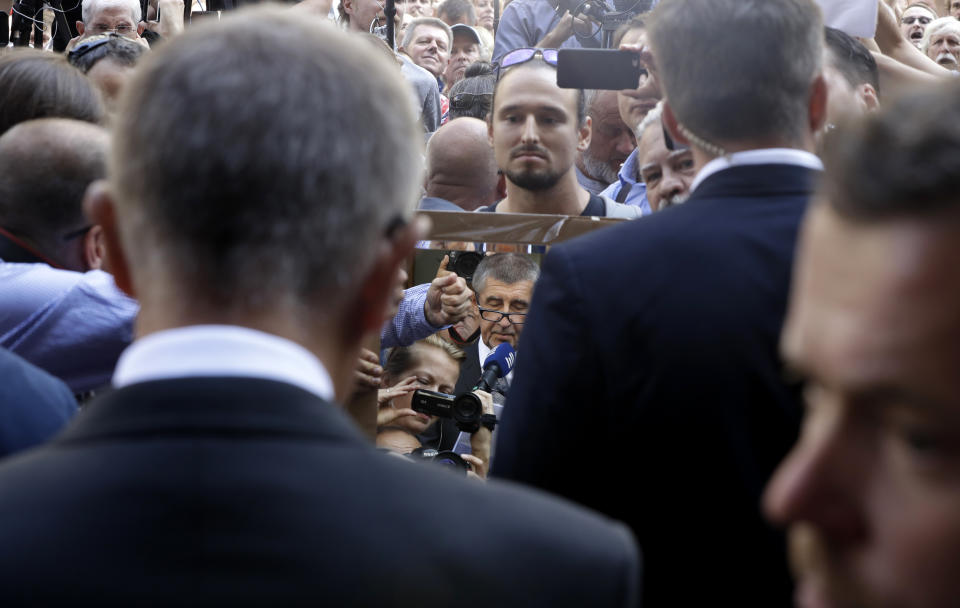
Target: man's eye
point(685, 165)
point(650, 178)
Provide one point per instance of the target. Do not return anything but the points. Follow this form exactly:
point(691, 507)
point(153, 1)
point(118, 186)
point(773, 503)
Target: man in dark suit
point(33, 404)
point(219, 472)
point(649, 364)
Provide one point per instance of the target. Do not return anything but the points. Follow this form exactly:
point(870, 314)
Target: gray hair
point(652, 118)
point(92, 7)
point(716, 82)
point(432, 22)
point(288, 173)
point(948, 24)
point(507, 268)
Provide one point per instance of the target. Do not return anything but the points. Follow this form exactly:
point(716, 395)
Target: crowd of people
point(220, 385)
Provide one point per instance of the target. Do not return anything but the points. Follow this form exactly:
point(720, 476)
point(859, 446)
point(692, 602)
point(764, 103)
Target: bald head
point(56, 159)
point(460, 164)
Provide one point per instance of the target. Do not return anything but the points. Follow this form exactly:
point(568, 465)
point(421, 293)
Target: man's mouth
point(529, 153)
point(947, 60)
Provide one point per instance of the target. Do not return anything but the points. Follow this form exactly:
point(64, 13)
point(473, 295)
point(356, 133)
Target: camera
point(464, 263)
point(450, 460)
point(466, 410)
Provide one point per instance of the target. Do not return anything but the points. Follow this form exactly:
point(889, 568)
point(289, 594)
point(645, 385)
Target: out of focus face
point(872, 488)
point(363, 13)
point(110, 77)
point(435, 370)
point(945, 49)
point(955, 9)
point(913, 22)
point(429, 48)
point(666, 173)
point(484, 14)
point(112, 19)
point(419, 8)
point(635, 103)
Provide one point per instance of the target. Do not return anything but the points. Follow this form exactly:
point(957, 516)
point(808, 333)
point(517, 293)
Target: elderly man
point(914, 21)
point(611, 142)
point(111, 16)
point(537, 129)
point(872, 488)
point(260, 266)
point(941, 42)
point(657, 339)
point(427, 41)
point(667, 174)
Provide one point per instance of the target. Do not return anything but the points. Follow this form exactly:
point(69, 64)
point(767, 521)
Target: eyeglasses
point(465, 101)
point(518, 56)
point(917, 19)
point(76, 233)
point(124, 29)
point(494, 316)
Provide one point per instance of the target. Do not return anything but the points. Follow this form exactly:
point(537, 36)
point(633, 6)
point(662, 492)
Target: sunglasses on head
point(518, 56)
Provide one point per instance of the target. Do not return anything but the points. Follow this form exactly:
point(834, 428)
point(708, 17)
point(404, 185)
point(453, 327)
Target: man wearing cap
point(464, 51)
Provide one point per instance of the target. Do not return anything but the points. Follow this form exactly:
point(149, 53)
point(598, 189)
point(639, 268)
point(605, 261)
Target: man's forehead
point(425, 29)
point(494, 288)
point(536, 79)
point(873, 302)
point(113, 12)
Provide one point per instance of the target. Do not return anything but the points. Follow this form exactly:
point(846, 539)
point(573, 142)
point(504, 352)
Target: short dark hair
point(481, 88)
point(539, 63)
point(36, 84)
point(113, 47)
point(455, 9)
point(281, 197)
point(637, 23)
point(900, 161)
point(851, 59)
point(48, 164)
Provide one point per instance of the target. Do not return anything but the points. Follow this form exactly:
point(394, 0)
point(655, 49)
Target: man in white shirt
point(219, 472)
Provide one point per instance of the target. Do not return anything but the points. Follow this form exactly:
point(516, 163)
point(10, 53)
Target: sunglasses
point(518, 56)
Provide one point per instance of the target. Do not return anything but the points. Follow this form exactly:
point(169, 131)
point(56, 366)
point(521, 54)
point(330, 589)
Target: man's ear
point(141, 27)
point(670, 122)
point(817, 106)
point(93, 249)
point(868, 97)
point(347, 7)
point(99, 207)
point(79, 28)
point(584, 134)
point(375, 296)
point(490, 126)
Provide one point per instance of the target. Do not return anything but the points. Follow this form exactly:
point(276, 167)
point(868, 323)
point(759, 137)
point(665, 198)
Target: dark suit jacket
point(649, 384)
point(34, 405)
point(214, 491)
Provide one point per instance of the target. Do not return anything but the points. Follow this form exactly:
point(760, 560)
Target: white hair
point(92, 7)
point(948, 24)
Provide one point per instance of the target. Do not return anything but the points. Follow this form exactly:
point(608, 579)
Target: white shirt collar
point(766, 156)
point(221, 350)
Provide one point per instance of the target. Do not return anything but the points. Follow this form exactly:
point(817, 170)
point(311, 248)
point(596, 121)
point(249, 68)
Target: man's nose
point(625, 144)
point(673, 183)
point(818, 483)
point(530, 134)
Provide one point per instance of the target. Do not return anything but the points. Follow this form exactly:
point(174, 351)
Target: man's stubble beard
point(534, 180)
point(598, 170)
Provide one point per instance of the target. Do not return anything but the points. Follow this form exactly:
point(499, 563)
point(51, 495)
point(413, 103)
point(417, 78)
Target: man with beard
point(537, 129)
point(872, 488)
point(941, 42)
point(611, 143)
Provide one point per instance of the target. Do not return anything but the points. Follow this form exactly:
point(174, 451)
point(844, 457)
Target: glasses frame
point(508, 315)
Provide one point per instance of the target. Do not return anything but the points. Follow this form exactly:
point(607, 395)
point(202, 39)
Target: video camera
point(466, 409)
point(609, 20)
point(450, 460)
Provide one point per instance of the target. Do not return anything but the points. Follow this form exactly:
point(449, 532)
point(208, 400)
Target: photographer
point(429, 364)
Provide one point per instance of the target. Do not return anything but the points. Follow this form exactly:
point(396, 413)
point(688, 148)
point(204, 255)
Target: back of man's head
point(461, 167)
point(49, 164)
point(294, 164)
point(851, 58)
point(738, 70)
point(38, 85)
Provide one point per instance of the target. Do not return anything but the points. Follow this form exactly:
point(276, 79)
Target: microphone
point(497, 365)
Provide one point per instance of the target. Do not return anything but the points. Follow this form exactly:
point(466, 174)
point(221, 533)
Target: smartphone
point(598, 69)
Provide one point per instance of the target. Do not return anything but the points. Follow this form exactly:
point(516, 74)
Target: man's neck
point(566, 197)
